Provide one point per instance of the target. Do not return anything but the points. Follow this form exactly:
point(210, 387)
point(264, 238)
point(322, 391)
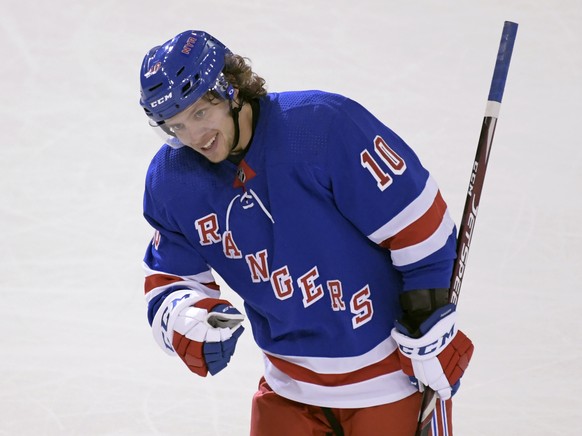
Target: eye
point(176, 128)
point(199, 114)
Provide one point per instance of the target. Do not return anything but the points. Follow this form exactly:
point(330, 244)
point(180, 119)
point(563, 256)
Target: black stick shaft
point(474, 191)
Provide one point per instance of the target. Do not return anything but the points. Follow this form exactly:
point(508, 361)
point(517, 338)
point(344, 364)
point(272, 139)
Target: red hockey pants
point(273, 415)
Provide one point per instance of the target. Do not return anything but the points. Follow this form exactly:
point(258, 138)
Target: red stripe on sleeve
point(421, 229)
point(212, 286)
point(157, 280)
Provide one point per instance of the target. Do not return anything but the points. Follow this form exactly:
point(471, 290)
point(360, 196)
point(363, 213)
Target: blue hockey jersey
point(329, 217)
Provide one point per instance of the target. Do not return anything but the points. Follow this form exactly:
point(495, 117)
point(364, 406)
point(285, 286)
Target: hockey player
point(326, 224)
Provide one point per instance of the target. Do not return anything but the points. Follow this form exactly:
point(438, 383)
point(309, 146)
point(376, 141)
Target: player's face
point(205, 126)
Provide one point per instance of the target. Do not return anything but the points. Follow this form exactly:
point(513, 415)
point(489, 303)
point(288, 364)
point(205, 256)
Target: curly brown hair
point(239, 74)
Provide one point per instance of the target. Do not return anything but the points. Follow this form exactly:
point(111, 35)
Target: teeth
point(208, 144)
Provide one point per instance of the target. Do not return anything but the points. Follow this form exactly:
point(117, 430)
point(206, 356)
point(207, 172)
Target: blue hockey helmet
point(181, 71)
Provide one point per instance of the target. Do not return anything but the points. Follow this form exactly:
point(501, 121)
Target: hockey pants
point(273, 415)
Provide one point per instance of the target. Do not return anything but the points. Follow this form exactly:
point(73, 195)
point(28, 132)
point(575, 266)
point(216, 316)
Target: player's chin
point(216, 156)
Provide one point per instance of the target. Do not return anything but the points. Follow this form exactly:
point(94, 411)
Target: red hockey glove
point(205, 335)
point(439, 357)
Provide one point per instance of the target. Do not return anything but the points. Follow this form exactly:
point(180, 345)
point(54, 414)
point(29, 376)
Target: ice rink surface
point(76, 352)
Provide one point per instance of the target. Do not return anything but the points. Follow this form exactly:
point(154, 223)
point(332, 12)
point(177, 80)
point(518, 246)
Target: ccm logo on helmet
point(164, 99)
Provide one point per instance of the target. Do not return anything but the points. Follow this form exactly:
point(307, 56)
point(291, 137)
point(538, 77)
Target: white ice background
point(76, 353)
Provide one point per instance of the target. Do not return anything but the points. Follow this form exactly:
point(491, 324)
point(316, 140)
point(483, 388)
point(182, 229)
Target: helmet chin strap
point(234, 111)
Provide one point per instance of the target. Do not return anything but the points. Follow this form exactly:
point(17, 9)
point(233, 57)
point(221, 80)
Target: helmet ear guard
point(223, 88)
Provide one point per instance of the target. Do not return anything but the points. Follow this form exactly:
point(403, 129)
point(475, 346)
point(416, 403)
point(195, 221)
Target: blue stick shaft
point(502, 64)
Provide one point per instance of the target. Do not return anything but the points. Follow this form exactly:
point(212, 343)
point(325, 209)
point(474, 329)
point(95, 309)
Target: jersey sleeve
point(380, 185)
point(172, 265)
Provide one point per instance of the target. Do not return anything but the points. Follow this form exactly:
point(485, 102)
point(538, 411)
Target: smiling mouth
point(209, 144)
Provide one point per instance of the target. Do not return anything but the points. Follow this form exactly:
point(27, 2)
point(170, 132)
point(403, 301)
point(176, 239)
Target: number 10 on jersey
point(388, 156)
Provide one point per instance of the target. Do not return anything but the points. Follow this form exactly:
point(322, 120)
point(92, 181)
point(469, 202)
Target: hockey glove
point(205, 335)
point(439, 357)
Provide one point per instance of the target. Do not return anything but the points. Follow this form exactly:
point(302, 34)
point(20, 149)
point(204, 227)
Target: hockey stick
point(474, 194)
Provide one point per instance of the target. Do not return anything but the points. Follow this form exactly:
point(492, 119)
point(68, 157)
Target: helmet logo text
point(161, 100)
point(189, 44)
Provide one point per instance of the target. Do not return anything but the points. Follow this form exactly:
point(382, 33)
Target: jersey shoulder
point(173, 173)
point(302, 125)
point(306, 105)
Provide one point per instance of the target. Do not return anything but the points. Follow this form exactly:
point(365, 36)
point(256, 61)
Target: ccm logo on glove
point(430, 348)
point(439, 357)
